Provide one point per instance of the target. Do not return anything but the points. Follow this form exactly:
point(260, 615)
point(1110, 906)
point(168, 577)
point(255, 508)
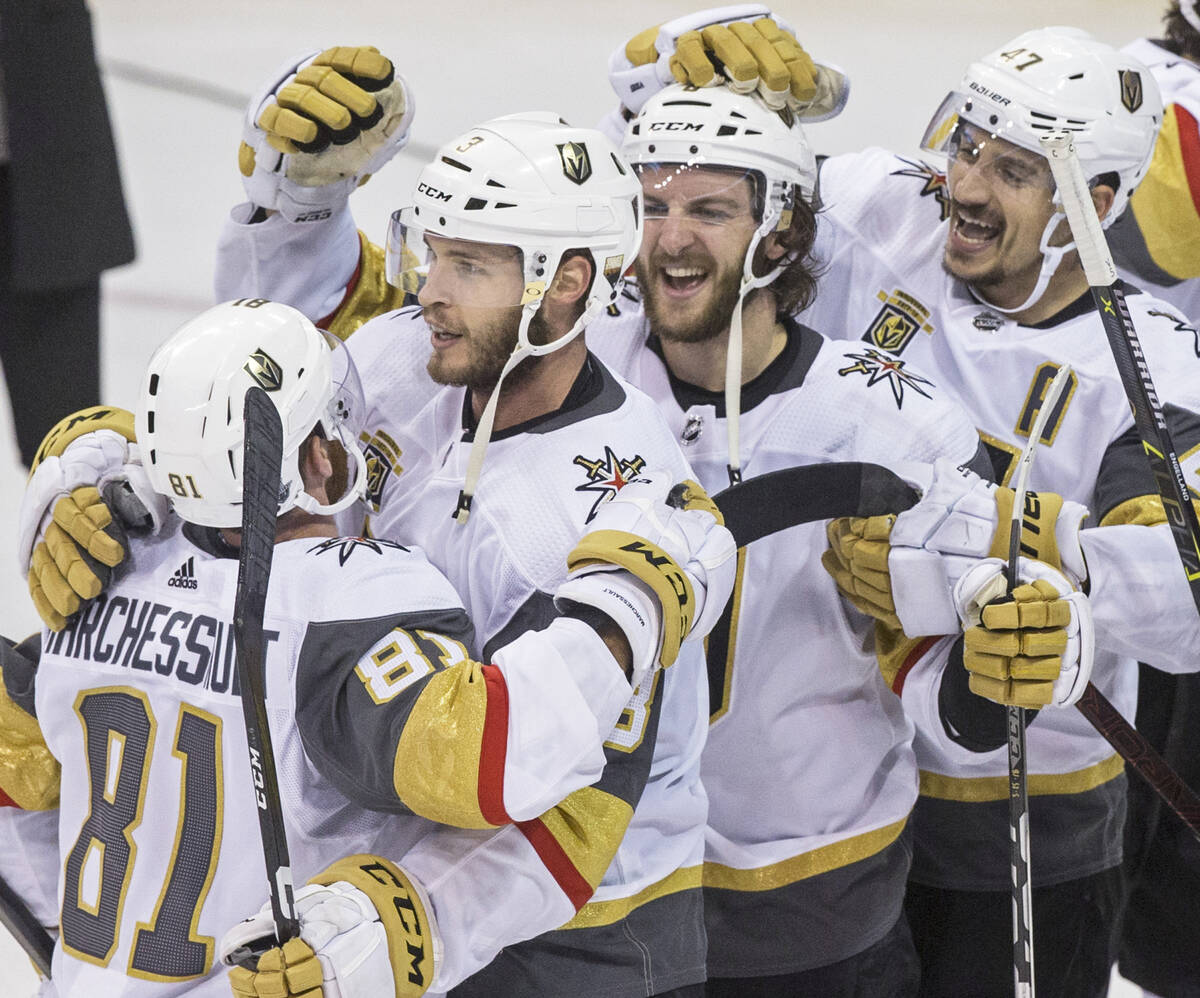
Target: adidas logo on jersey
point(185, 576)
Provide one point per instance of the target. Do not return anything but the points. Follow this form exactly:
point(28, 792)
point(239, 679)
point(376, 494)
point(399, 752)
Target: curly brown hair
point(796, 287)
point(1182, 38)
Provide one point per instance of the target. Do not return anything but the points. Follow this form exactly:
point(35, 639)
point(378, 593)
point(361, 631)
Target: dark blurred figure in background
point(62, 214)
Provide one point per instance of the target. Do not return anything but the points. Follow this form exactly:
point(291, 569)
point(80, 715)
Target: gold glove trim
point(97, 417)
point(809, 864)
point(599, 913)
point(1037, 526)
point(402, 912)
point(29, 774)
point(975, 790)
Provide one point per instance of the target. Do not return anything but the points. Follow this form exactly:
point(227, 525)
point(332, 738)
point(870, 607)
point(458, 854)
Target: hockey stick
point(262, 458)
point(1018, 768)
point(1156, 442)
point(25, 928)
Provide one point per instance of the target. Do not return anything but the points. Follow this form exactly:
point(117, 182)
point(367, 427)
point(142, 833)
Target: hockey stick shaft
point(261, 462)
point(1018, 768)
point(25, 928)
point(1160, 452)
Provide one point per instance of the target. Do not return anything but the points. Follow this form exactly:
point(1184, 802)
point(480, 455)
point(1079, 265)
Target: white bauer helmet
point(1056, 79)
point(716, 127)
point(532, 182)
point(189, 422)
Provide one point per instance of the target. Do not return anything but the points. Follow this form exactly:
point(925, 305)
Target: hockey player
point(1157, 242)
point(518, 235)
point(971, 275)
point(374, 703)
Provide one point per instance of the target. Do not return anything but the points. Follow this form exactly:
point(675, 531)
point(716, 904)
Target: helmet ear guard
point(189, 421)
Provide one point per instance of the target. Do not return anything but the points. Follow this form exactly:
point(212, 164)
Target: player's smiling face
point(699, 222)
point(1000, 201)
point(471, 299)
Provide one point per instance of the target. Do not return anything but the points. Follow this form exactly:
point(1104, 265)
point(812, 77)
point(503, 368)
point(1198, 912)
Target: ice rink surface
point(177, 75)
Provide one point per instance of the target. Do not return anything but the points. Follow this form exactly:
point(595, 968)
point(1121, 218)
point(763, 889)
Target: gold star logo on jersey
point(1131, 89)
point(265, 370)
point(607, 475)
point(935, 183)
point(879, 367)
point(576, 164)
point(897, 322)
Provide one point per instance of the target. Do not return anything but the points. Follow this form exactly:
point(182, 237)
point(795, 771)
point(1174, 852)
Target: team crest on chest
point(935, 183)
point(607, 475)
point(882, 368)
point(897, 322)
point(383, 461)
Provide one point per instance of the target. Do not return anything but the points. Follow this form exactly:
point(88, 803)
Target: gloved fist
point(658, 560)
point(745, 46)
point(320, 129)
point(1029, 648)
point(366, 930)
point(68, 537)
point(914, 560)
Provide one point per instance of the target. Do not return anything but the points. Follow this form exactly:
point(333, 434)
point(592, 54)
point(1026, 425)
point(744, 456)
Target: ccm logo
point(675, 126)
point(433, 192)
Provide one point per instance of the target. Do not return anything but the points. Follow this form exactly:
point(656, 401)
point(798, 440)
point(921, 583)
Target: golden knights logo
point(383, 461)
point(897, 322)
point(1131, 89)
point(607, 475)
point(880, 367)
point(344, 547)
point(265, 371)
point(935, 183)
point(576, 164)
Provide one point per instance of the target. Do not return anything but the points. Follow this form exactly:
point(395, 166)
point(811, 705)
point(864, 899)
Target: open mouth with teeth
point(972, 232)
point(682, 281)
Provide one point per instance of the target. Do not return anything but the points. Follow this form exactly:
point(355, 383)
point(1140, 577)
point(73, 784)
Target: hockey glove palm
point(366, 930)
point(69, 539)
point(658, 560)
point(1029, 648)
point(320, 128)
point(903, 569)
point(745, 46)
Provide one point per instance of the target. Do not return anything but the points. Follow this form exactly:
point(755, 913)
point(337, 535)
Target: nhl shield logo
point(576, 164)
point(267, 374)
point(1131, 89)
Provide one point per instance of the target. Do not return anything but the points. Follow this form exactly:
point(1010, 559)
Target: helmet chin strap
point(487, 419)
point(352, 494)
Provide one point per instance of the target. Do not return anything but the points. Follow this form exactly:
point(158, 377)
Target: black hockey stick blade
point(766, 504)
point(25, 928)
point(262, 458)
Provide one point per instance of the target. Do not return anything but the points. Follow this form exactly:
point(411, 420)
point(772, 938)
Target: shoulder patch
point(606, 475)
point(933, 183)
point(897, 321)
point(1181, 326)
point(882, 368)
point(344, 547)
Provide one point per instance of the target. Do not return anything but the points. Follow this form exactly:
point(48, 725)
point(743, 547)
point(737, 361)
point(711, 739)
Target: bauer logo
point(576, 163)
point(185, 576)
point(265, 371)
point(991, 95)
point(1131, 89)
point(433, 192)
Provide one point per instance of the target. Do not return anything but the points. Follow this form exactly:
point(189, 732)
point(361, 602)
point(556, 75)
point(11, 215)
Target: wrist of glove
point(744, 46)
point(664, 564)
point(366, 929)
point(1033, 647)
point(320, 128)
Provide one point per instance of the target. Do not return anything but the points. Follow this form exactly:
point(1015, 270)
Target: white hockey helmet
point(189, 422)
point(685, 128)
point(534, 183)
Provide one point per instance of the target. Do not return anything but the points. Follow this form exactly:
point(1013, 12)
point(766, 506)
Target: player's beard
point(489, 345)
point(674, 327)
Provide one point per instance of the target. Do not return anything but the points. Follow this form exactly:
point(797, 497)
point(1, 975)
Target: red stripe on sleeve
point(6, 801)
point(350, 286)
point(1189, 147)
point(494, 748)
point(913, 658)
point(573, 885)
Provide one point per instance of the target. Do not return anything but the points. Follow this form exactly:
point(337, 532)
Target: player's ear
point(774, 247)
point(572, 280)
point(316, 468)
point(1103, 197)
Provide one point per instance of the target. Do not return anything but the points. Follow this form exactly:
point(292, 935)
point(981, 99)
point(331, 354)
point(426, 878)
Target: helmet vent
point(232, 466)
point(752, 131)
point(737, 114)
point(685, 103)
point(636, 130)
point(727, 130)
point(153, 458)
point(1077, 76)
point(456, 164)
point(474, 204)
point(154, 384)
point(617, 163)
point(150, 421)
point(504, 204)
point(494, 183)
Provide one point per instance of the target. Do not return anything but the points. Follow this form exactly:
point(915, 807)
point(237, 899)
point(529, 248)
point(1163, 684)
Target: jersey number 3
point(118, 733)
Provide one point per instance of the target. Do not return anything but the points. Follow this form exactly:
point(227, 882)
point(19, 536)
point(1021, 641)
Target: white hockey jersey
point(808, 766)
point(366, 667)
point(881, 237)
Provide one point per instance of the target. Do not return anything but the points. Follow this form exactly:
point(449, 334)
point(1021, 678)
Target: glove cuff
point(633, 607)
point(414, 948)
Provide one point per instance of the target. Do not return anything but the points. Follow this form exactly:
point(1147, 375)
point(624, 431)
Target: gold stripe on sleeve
point(600, 913)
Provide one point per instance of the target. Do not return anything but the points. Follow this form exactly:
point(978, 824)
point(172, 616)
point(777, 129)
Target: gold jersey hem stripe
point(809, 864)
point(598, 913)
point(989, 788)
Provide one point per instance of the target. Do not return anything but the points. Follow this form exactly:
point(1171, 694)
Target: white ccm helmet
point(714, 126)
point(532, 182)
point(1056, 79)
point(189, 421)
